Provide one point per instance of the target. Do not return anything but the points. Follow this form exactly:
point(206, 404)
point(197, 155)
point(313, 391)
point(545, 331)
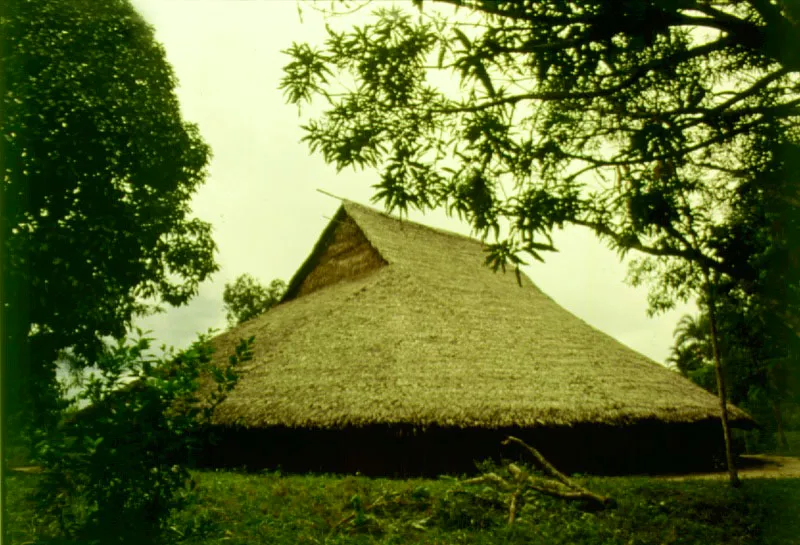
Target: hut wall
point(402, 451)
point(348, 255)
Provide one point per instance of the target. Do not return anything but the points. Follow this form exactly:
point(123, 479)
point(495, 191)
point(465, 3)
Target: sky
point(261, 195)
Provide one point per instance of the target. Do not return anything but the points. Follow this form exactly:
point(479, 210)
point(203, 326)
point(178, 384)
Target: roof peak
point(405, 221)
point(360, 239)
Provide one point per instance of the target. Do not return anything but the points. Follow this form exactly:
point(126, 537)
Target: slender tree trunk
point(776, 411)
point(775, 400)
point(723, 403)
point(4, 386)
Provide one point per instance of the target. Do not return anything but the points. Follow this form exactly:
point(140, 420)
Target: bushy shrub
point(117, 464)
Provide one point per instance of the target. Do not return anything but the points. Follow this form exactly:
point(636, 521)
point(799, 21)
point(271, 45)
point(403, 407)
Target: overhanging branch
point(687, 253)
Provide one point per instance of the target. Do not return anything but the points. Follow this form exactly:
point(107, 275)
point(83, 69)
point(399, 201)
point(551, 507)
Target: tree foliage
point(98, 169)
point(117, 463)
point(761, 361)
point(246, 298)
point(691, 350)
point(661, 126)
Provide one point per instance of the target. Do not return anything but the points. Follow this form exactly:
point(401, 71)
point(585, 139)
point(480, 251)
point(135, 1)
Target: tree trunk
point(723, 403)
point(776, 411)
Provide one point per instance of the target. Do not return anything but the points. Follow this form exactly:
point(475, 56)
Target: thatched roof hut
point(396, 351)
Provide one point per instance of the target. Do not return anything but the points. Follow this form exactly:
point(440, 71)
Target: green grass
point(239, 508)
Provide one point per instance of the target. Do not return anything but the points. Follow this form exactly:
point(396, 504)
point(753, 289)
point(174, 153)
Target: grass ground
point(234, 508)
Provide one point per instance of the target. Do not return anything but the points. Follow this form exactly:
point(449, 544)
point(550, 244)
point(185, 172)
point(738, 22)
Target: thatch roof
point(391, 322)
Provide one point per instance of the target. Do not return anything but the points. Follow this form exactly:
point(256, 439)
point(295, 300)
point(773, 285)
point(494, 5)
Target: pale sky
point(261, 195)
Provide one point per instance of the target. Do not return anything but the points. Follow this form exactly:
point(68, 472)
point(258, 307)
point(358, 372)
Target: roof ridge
point(401, 221)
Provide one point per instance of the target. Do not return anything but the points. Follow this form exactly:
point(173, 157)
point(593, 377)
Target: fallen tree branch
point(513, 503)
point(573, 490)
point(366, 508)
point(492, 478)
point(521, 482)
point(516, 492)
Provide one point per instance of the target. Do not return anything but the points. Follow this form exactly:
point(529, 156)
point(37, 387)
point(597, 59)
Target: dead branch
point(521, 482)
point(573, 491)
point(377, 503)
point(491, 478)
point(512, 504)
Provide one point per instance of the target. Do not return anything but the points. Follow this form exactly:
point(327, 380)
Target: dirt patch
point(756, 466)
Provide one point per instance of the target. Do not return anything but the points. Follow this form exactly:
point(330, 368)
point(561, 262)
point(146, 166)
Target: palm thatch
point(395, 323)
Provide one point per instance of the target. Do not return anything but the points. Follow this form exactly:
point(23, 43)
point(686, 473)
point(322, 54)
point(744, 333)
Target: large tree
point(656, 124)
point(98, 169)
point(639, 120)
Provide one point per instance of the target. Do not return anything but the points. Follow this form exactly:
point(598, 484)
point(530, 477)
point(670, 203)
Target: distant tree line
point(245, 298)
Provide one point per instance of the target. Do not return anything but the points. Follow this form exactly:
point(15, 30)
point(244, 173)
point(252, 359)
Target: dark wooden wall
point(399, 451)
